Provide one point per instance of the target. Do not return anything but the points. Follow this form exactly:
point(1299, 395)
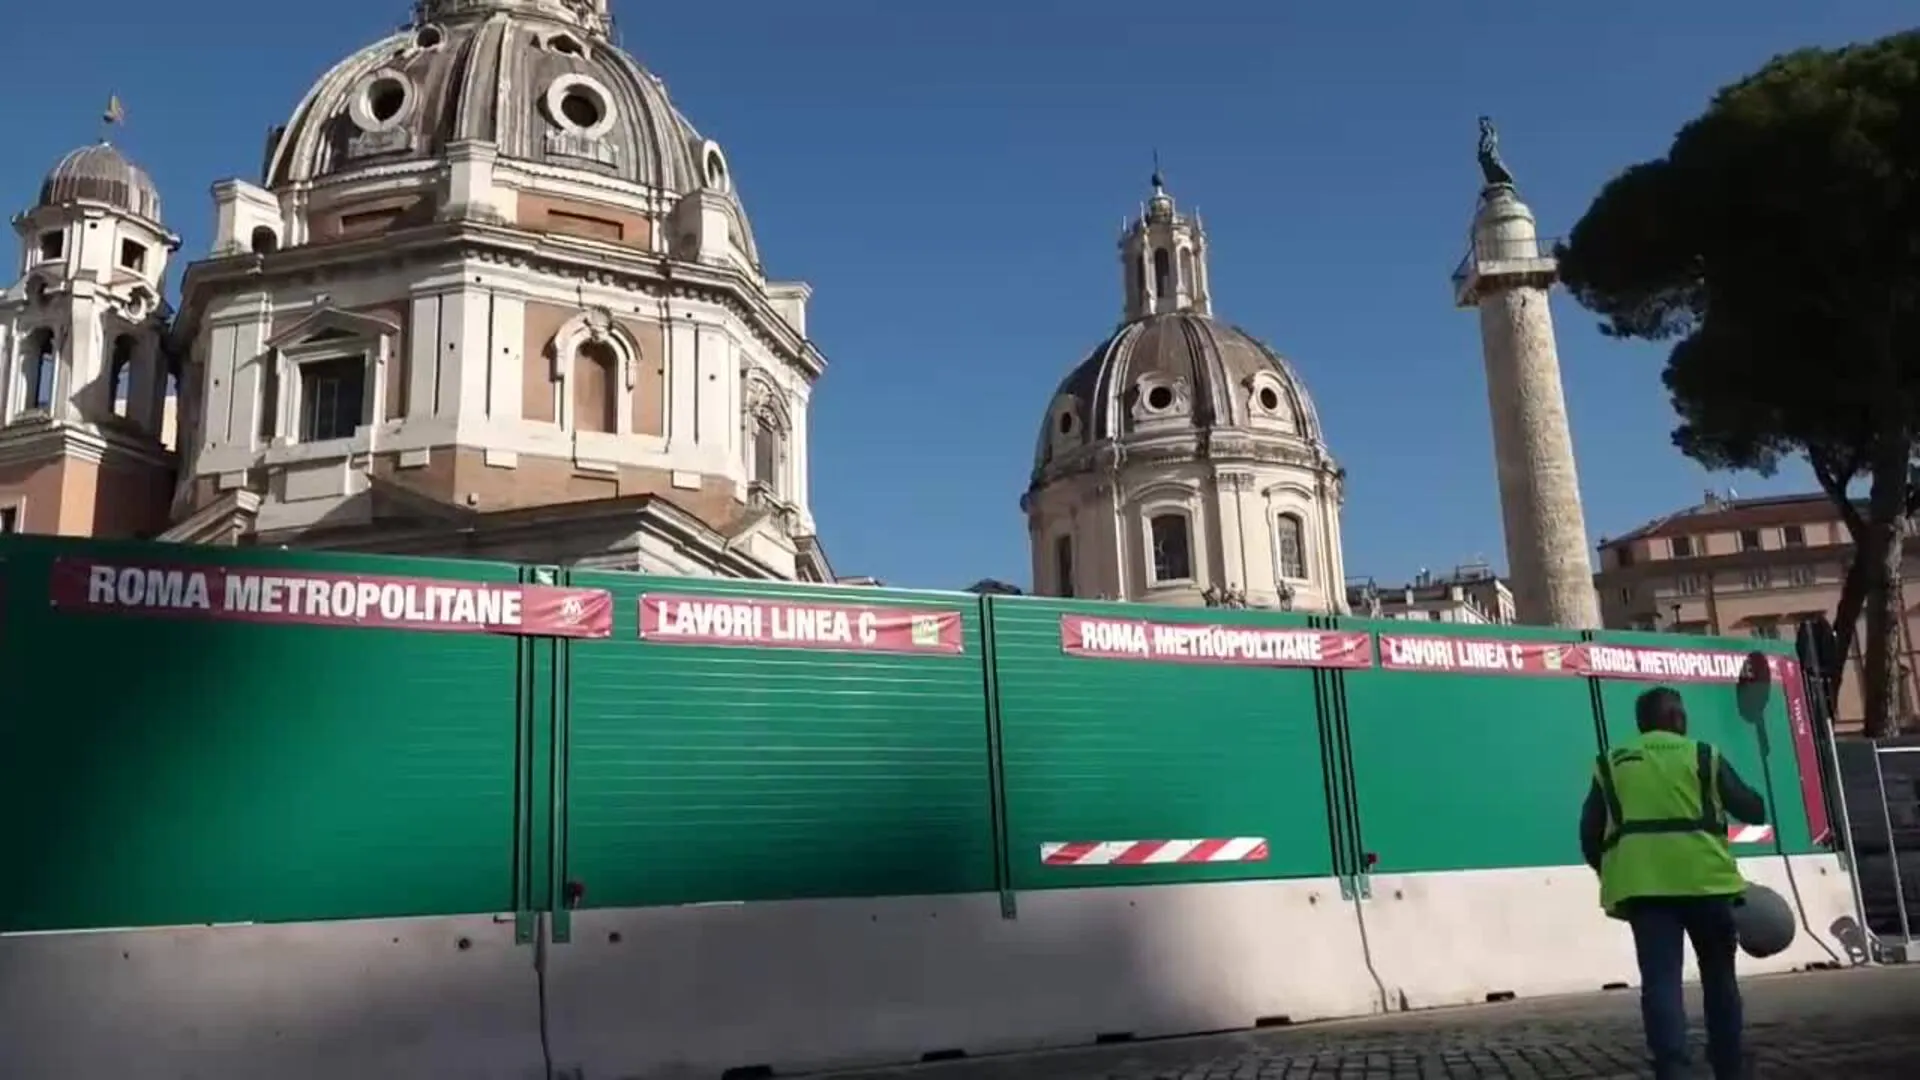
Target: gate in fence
point(1880, 779)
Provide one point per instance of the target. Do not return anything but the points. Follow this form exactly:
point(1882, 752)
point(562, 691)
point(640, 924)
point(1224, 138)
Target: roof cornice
point(561, 256)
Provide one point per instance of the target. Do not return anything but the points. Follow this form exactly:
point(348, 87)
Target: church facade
point(493, 296)
point(1182, 461)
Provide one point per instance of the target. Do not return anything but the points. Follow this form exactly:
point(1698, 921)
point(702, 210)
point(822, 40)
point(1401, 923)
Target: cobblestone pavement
point(1860, 1025)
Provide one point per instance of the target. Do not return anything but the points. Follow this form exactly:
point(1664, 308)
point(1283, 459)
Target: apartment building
point(1746, 568)
point(1472, 593)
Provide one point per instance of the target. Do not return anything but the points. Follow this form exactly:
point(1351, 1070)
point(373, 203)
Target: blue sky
point(951, 176)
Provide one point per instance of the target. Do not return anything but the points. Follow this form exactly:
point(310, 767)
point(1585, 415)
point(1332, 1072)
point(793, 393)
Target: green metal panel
point(169, 771)
point(1107, 750)
point(1713, 716)
point(716, 773)
point(1463, 771)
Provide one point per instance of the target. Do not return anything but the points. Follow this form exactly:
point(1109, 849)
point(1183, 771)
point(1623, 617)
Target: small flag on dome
point(115, 112)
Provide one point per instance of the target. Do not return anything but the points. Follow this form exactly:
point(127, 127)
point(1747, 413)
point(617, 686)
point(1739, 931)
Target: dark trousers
point(1661, 930)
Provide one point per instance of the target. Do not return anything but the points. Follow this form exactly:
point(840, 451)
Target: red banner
point(1476, 656)
point(1813, 796)
point(1493, 656)
point(1213, 643)
point(794, 624)
point(1654, 664)
point(313, 598)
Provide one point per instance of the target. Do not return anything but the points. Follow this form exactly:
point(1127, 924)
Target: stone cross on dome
point(589, 15)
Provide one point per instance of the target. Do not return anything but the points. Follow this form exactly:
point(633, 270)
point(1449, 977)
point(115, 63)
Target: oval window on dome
point(382, 103)
point(580, 106)
point(1269, 399)
point(1159, 398)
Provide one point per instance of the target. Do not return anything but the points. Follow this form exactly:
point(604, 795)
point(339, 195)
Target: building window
point(1682, 547)
point(1760, 577)
point(1063, 565)
point(1689, 585)
point(1767, 628)
point(332, 398)
point(1162, 273)
point(133, 256)
point(1623, 556)
point(1626, 595)
point(269, 399)
point(120, 373)
point(1290, 545)
point(53, 244)
point(1800, 575)
point(766, 454)
point(9, 519)
point(1749, 539)
point(43, 368)
point(1172, 551)
point(1794, 536)
point(596, 378)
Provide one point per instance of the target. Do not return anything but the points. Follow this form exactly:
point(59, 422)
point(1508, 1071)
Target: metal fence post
point(1893, 853)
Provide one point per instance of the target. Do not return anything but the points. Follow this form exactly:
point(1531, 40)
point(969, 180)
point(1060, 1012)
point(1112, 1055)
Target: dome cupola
point(101, 174)
point(1183, 460)
point(540, 81)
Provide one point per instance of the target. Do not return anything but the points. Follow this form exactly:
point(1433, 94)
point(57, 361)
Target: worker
point(1654, 827)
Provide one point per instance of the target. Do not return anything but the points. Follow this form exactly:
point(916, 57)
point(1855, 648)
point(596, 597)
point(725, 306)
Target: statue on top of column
point(1491, 167)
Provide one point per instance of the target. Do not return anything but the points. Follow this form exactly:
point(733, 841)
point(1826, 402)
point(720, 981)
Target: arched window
point(1289, 545)
point(1172, 548)
point(1162, 273)
point(596, 382)
point(1186, 270)
point(120, 373)
point(1063, 566)
point(766, 453)
point(43, 367)
point(263, 241)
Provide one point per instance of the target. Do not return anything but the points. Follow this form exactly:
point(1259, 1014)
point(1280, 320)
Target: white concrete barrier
point(319, 1001)
point(1472, 936)
point(691, 992)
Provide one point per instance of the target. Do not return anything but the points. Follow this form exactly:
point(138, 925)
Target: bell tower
point(1163, 259)
point(84, 371)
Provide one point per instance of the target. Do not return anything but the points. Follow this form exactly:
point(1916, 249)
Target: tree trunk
point(1846, 617)
point(1882, 554)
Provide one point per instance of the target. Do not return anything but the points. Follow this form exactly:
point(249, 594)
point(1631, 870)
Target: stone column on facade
point(1508, 278)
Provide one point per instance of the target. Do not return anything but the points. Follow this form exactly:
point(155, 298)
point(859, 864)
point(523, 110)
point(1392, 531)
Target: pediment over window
point(332, 324)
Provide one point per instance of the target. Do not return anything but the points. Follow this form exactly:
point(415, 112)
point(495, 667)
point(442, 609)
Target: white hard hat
point(1764, 921)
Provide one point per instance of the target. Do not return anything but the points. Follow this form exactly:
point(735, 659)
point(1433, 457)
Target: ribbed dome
point(99, 173)
point(538, 79)
point(1181, 370)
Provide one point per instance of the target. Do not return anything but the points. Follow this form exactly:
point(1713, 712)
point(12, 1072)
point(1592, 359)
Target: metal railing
point(1502, 251)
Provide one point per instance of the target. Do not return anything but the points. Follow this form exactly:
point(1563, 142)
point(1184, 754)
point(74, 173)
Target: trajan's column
point(1508, 277)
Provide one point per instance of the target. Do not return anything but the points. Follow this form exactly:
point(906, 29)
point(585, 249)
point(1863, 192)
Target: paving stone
point(1862, 1024)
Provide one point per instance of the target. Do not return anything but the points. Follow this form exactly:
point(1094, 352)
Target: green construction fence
point(163, 770)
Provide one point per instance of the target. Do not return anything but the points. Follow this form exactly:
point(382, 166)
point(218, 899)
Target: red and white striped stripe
point(1232, 849)
point(1749, 834)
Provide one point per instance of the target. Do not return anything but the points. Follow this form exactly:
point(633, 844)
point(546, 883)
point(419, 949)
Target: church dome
point(100, 173)
point(538, 79)
point(1179, 371)
point(1182, 461)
